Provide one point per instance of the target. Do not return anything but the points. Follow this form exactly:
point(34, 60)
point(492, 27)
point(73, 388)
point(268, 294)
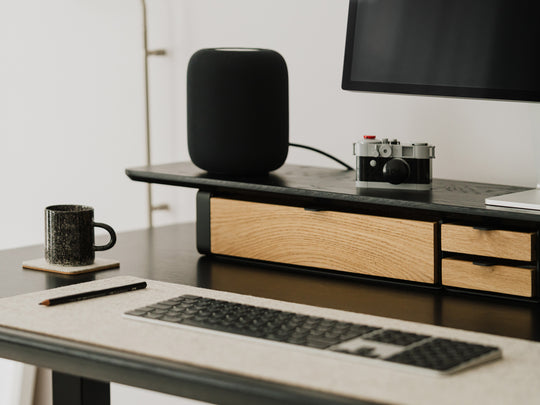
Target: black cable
point(322, 153)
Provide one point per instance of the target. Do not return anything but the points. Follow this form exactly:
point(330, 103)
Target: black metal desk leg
point(72, 390)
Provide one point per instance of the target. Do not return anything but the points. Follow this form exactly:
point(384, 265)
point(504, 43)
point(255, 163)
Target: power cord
point(322, 153)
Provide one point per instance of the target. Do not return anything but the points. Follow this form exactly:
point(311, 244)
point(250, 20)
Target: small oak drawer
point(493, 278)
point(364, 244)
point(493, 243)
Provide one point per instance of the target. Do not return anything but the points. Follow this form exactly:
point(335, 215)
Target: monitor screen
point(463, 48)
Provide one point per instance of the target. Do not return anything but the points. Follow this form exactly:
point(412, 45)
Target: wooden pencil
point(93, 294)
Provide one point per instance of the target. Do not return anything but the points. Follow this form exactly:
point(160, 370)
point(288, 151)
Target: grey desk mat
point(99, 322)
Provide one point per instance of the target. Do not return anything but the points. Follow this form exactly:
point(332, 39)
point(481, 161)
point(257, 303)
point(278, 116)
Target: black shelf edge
point(338, 186)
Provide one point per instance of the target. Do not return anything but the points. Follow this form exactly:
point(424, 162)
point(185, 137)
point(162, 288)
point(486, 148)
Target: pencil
point(94, 294)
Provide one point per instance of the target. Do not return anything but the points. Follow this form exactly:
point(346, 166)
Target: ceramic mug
point(69, 235)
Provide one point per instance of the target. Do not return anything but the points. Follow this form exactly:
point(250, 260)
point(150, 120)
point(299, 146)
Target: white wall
point(15, 378)
point(72, 112)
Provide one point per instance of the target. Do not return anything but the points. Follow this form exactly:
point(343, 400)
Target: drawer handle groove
point(484, 228)
point(482, 264)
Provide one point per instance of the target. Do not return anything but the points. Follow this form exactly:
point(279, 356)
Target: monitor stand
point(529, 199)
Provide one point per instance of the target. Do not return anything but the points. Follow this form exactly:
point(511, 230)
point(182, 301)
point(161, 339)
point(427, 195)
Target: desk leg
point(72, 390)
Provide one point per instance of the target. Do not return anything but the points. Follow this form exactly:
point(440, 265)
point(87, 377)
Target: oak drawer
point(493, 243)
point(496, 278)
point(378, 246)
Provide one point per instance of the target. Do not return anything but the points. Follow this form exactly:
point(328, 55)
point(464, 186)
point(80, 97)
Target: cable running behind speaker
point(322, 153)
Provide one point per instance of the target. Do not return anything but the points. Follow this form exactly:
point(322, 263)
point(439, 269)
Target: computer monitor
point(487, 49)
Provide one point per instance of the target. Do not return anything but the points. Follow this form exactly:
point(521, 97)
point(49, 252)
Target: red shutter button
point(369, 136)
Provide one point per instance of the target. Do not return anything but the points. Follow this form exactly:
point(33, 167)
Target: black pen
point(93, 294)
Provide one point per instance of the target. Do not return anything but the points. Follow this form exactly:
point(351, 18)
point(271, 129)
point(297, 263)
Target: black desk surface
point(169, 254)
point(330, 187)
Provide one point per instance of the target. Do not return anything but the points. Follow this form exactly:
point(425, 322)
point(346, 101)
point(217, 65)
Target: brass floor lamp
point(147, 54)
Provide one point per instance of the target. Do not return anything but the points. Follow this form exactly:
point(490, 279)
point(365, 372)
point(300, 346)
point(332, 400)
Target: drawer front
point(496, 278)
point(378, 246)
point(492, 243)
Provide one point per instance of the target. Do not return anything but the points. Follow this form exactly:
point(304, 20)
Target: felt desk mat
point(99, 321)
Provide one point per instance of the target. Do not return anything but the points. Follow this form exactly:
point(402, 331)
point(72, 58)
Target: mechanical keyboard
point(382, 346)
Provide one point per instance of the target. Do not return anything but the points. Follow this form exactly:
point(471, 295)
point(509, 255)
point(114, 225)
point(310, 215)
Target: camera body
point(389, 164)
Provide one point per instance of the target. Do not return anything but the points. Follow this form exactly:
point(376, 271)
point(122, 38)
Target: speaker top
point(237, 49)
point(218, 55)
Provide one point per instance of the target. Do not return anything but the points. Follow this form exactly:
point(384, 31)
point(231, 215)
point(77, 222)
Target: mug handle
point(111, 233)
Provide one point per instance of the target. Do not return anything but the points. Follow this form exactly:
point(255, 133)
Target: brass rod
point(147, 111)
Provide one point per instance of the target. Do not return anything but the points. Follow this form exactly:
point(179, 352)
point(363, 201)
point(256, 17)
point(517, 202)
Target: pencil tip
point(46, 303)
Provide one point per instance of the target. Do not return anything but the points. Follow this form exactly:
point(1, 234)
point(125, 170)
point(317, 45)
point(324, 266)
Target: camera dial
point(396, 171)
point(385, 150)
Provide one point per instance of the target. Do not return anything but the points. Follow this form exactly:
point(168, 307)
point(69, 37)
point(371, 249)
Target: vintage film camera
point(389, 164)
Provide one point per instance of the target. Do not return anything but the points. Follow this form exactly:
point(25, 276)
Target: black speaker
point(237, 111)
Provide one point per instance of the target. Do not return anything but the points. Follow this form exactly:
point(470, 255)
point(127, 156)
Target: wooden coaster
point(99, 264)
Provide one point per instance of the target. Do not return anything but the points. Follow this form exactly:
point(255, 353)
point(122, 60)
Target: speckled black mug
point(69, 235)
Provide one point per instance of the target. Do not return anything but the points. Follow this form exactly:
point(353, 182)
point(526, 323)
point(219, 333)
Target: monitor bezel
point(418, 89)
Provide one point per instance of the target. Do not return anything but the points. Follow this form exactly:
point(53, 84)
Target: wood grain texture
point(386, 247)
point(494, 243)
point(500, 279)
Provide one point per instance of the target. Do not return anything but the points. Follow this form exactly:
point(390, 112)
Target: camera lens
point(396, 171)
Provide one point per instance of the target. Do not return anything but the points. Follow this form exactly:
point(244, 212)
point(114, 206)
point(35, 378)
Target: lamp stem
point(147, 111)
point(147, 54)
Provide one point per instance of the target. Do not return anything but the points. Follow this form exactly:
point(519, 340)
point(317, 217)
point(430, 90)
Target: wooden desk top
point(169, 254)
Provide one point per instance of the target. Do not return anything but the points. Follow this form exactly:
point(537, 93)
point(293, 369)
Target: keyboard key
point(441, 354)
point(396, 337)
